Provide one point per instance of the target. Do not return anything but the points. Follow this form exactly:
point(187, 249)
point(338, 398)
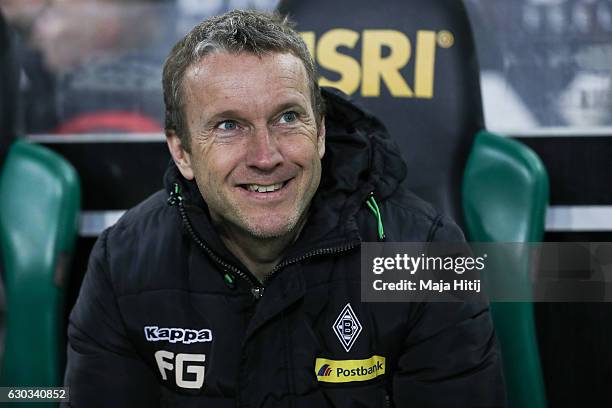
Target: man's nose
point(263, 150)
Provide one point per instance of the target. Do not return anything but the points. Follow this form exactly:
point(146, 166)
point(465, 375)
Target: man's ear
point(321, 138)
point(181, 157)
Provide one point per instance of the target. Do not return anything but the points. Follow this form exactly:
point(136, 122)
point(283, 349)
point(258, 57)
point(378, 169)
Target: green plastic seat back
point(505, 195)
point(39, 205)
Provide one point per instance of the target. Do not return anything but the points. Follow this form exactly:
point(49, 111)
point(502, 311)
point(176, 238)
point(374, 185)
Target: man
point(239, 285)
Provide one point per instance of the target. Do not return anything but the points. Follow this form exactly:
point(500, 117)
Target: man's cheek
point(301, 150)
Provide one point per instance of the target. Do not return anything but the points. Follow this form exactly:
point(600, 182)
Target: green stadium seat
point(39, 206)
point(505, 195)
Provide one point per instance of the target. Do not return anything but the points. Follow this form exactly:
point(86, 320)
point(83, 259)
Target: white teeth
point(264, 189)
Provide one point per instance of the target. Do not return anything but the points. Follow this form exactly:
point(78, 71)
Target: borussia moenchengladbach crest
point(347, 327)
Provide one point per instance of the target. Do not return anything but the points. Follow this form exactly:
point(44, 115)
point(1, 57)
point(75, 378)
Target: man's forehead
point(223, 62)
point(223, 75)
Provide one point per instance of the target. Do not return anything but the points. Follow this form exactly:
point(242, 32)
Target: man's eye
point(227, 125)
point(288, 117)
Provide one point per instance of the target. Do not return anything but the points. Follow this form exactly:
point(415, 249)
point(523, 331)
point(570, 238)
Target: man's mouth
point(264, 188)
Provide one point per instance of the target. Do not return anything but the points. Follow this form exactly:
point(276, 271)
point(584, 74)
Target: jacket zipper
point(311, 254)
point(176, 199)
point(257, 288)
point(227, 267)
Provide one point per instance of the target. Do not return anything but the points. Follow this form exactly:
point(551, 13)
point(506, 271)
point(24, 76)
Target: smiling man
point(239, 284)
point(255, 149)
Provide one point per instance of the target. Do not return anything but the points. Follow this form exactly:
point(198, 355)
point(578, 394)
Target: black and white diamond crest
point(347, 327)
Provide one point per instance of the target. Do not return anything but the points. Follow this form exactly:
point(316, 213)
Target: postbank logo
point(343, 371)
point(377, 68)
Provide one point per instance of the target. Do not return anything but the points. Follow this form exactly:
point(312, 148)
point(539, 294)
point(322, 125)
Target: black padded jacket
point(167, 316)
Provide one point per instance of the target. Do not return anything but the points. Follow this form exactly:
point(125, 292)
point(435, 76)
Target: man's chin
point(268, 229)
point(270, 232)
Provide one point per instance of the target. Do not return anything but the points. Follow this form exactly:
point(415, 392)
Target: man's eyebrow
point(237, 114)
point(229, 113)
point(288, 105)
point(226, 114)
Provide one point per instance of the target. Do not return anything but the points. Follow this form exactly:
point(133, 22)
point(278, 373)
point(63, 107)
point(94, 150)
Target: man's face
point(255, 147)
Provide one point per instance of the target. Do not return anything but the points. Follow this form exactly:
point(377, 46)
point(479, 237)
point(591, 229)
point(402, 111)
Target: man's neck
point(259, 255)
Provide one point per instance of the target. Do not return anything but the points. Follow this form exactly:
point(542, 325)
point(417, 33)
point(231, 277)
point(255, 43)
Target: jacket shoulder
point(135, 216)
point(145, 242)
point(408, 218)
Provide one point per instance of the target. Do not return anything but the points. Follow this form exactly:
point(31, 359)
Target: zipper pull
point(175, 196)
point(229, 280)
point(387, 400)
point(373, 206)
point(257, 292)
